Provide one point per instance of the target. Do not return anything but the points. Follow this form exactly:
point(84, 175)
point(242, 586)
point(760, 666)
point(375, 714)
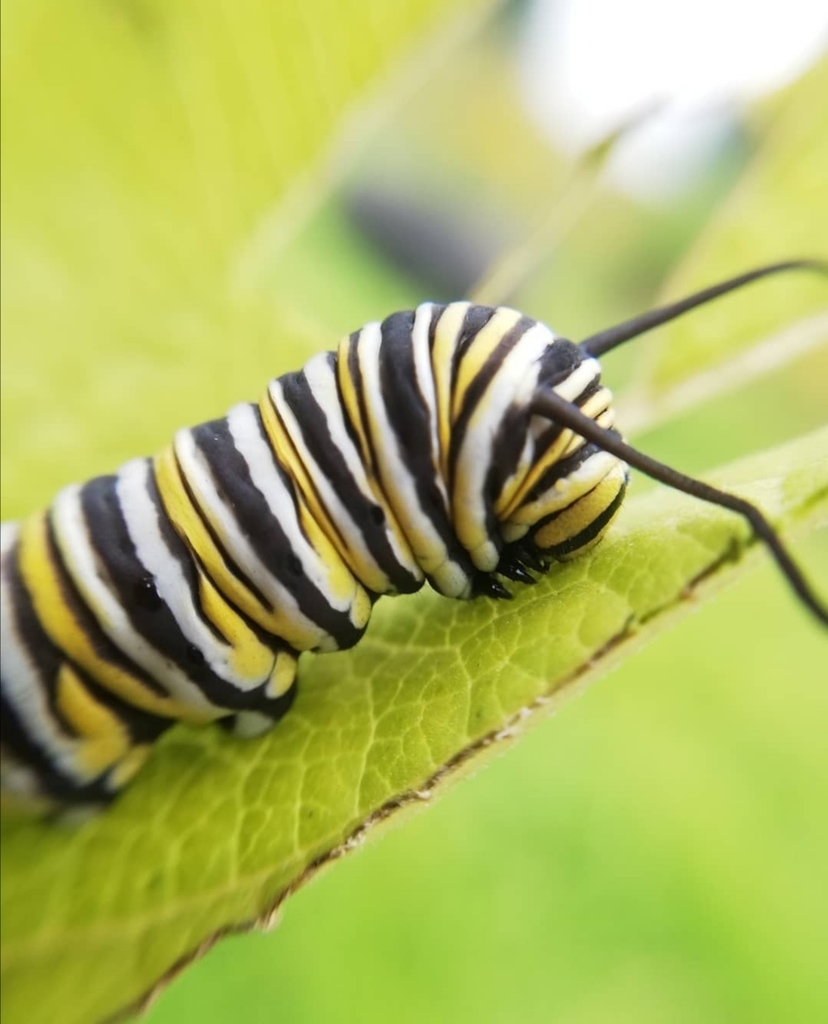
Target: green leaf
point(215, 832)
point(143, 205)
point(157, 255)
point(777, 211)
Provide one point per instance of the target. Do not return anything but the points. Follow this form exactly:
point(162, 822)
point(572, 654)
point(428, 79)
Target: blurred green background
point(658, 851)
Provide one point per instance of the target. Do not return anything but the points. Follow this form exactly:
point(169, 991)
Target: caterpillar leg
point(95, 757)
point(70, 742)
point(249, 724)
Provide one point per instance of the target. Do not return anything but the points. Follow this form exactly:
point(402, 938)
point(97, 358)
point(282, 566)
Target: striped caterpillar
point(454, 444)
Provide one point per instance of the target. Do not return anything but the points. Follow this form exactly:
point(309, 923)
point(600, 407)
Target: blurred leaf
point(432, 689)
point(559, 217)
point(779, 210)
point(141, 211)
point(156, 156)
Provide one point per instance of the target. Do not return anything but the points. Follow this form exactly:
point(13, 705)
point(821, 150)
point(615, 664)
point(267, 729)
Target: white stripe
point(257, 453)
point(25, 687)
point(321, 378)
point(8, 535)
point(392, 469)
point(580, 378)
point(427, 544)
point(367, 339)
point(247, 439)
point(568, 489)
point(141, 516)
point(514, 383)
point(424, 373)
point(78, 553)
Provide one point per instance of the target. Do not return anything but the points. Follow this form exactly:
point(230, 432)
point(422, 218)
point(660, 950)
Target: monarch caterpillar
point(453, 443)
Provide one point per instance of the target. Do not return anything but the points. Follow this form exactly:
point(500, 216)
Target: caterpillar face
point(570, 489)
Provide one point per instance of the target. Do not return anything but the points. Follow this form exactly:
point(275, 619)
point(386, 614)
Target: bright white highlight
point(590, 65)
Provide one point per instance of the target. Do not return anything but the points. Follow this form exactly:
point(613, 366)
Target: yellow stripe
point(66, 632)
point(104, 739)
point(564, 445)
point(350, 400)
point(445, 340)
point(580, 514)
point(191, 528)
point(221, 582)
point(282, 676)
point(598, 407)
point(515, 495)
point(340, 586)
point(403, 552)
point(287, 455)
point(479, 352)
point(247, 657)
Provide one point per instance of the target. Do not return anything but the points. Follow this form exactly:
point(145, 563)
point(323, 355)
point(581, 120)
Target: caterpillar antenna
point(612, 337)
point(561, 411)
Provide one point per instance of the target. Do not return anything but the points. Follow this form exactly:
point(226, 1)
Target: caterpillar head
point(520, 481)
point(565, 491)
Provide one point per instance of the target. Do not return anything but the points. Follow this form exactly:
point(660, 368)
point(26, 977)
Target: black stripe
point(257, 521)
point(275, 707)
point(103, 647)
point(312, 425)
point(355, 373)
point(474, 394)
point(559, 360)
point(563, 467)
point(553, 432)
point(227, 559)
point(366, 513)
point(142, 726)
point(590, 532)
point(437, 311)
point(349, 344)
point(478, 387)
point(410, 420)
point(50, 780)
point(180, 552)
point(507, 446)
point(47, 661)
point(560, 470)
point(410, 584)
point(133, 585)
point(43, 654)
point(191, 564)
point(474, 320)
